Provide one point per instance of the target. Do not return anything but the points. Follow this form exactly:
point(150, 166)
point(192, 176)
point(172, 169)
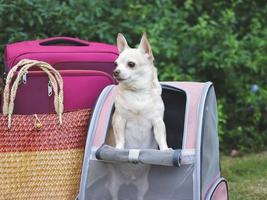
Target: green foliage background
point(221, 41)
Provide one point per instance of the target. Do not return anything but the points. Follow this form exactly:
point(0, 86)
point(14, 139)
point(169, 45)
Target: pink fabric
point(213, 180)
point(81, 90)
point(220, 192)
point(104, 119)
point(62, 56)
point(193, 91)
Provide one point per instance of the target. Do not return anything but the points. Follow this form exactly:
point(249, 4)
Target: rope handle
point(25, 64)
point(15, 87)
point(9, 79)
point(58, 100)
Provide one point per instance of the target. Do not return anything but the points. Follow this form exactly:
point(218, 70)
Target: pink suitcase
point(81, 90)
point(86, 68)
point(63, 53)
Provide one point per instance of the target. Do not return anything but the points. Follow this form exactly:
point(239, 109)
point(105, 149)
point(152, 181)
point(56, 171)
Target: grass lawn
point(247, 176)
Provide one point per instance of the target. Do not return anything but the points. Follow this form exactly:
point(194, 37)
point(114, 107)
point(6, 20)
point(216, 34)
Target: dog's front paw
point(163, 147)
point(119, 146)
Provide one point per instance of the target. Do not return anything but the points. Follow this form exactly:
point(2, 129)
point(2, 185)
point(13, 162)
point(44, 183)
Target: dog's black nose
point(116, 72)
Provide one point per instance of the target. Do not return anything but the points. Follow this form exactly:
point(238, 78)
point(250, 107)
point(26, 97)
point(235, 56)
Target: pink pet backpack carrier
point(191, 171)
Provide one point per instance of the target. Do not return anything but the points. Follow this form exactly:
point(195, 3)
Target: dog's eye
point(116, 64)
point(131, 64)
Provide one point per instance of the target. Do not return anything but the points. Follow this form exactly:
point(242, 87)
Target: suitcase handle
point(63, 41)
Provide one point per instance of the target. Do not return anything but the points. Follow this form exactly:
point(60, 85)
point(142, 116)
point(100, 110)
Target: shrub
point(221, 41)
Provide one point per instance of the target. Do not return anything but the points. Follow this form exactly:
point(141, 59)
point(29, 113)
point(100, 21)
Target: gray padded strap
point(134, 155)
point(168, 157)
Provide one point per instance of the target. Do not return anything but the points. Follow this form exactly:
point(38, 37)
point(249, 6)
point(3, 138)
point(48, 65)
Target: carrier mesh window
point(175, 103)
point(210, 143)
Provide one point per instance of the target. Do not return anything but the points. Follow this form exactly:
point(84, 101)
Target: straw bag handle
point(8, 106)
point(10, 75)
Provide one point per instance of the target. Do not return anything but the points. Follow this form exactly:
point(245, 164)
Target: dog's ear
point(121, 42)
point(145, 47)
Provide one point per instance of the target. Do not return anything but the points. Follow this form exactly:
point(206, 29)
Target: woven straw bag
point(40, 155)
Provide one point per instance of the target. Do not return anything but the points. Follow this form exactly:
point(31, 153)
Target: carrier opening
point(174, 115)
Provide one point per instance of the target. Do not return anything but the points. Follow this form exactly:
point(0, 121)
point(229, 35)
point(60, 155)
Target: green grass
point(246, 176)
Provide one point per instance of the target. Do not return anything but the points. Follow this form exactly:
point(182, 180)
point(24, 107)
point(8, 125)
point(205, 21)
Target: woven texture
point(45, 163)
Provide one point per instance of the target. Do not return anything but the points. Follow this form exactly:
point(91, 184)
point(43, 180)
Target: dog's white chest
point(139, 134)
point(138, 105)
point(138, 110)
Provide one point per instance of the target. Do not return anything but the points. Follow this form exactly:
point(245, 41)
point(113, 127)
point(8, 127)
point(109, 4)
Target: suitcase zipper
point(50, 90)
point(24, 78)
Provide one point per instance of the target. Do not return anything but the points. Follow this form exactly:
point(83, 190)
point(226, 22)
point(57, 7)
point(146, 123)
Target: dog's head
point(134, 66)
